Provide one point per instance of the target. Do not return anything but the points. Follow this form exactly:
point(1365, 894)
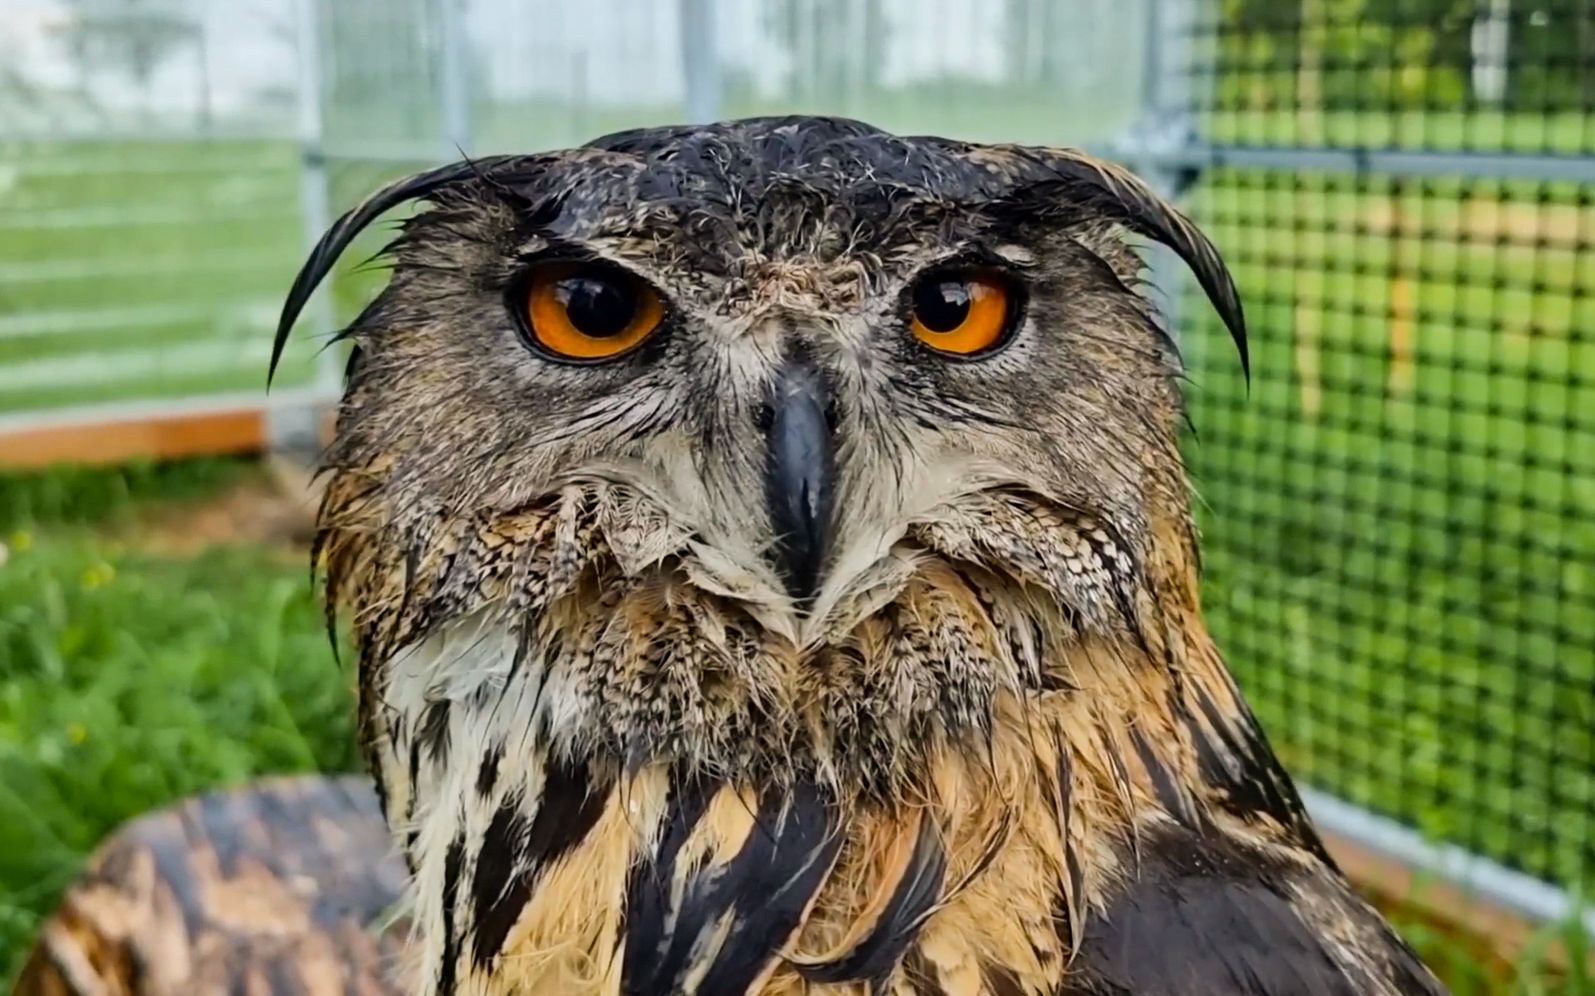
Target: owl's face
point(787, 343)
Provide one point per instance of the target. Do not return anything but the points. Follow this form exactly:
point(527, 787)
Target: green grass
point(129, 679)
point(143, 269)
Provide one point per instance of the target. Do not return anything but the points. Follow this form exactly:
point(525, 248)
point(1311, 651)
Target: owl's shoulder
point(1206, 913)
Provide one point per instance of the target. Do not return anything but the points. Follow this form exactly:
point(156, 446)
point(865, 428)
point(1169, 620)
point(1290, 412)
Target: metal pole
point(1520, 893)
point(700, 61)
point(1165, 124)
point(454, 92)
point(314, 197)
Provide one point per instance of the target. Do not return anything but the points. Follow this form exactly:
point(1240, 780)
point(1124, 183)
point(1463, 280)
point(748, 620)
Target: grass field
point(130, 677)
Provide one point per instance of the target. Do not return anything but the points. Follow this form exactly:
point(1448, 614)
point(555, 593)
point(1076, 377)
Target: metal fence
point(1401, 527)
point(1399, 514)
point(149, 201)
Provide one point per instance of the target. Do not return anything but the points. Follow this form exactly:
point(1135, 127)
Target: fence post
point(700, 61)
point(287, 427)
point(454, 91)
point(1165, 127)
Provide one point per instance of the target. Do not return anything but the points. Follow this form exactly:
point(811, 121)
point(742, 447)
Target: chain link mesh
point(1400, 515)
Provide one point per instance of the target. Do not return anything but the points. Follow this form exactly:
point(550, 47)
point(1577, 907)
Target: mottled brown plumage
point(990, 749)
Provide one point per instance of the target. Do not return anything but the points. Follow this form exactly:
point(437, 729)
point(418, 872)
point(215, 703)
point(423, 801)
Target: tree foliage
point(130, 36)
point(1406, 53)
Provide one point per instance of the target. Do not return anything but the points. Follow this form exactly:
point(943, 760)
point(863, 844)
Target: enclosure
point(1398, 510)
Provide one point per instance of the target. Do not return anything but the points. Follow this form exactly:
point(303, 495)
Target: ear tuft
point(343, 231)
point(1110, 191)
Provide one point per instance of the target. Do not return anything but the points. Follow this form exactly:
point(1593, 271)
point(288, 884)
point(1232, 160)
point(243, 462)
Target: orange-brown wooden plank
point(158, 437)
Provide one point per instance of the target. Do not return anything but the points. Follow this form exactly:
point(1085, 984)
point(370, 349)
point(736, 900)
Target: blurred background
point(1399, 513)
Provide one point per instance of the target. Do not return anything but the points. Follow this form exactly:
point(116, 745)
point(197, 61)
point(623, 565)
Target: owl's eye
point(962, 313)
point(586, 311)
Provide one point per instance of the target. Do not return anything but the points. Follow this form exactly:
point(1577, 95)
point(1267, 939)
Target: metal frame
point(1385, 162)
point(699, 59)
point(1512, 890)
point(454, 96)
point(314, 184)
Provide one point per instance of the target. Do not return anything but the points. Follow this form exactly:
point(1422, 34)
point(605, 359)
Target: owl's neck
point(541, 781)
point(545, 724)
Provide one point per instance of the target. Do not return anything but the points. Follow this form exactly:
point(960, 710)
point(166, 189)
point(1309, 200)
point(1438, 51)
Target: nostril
point(764, 417)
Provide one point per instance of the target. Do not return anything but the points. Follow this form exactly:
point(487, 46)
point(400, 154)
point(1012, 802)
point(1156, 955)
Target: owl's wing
point(1203, 915)
point(281, 887)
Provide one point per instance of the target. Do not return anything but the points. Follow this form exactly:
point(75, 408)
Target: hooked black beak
point(799, 474)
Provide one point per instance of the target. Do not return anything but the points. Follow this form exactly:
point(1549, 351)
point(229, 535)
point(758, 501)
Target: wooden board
point(220, 425)
point(156, 437)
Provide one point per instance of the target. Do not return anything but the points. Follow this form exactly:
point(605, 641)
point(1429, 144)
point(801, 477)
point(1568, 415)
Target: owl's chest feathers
point(659, 677)
point(601, 767)
point(644, 786)
point(573, 817)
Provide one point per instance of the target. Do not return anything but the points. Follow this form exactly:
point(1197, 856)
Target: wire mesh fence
point(149, 204)
point(1400, 539)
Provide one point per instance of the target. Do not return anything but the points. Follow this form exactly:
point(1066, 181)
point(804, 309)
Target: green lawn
point(130, 678)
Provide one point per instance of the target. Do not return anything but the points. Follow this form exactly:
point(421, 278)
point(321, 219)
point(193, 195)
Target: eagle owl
point(772, 571)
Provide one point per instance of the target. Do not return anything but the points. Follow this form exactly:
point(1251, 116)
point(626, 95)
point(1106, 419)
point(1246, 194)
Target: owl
point(771, 568)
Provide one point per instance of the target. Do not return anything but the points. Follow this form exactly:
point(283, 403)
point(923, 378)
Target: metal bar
point(104, 134)
point(68, 322)
point(376, 152)
point(314, 196)
point(1364, 161)
point(50, 270)
point(54, 219)
point(115, 411)
point(129, 165)
point(1164, 123)
point(123, 365)
point(700, 60)
point(454, 95)
point(1510, 889)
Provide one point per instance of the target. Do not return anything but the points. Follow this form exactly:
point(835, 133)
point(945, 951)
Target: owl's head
point(796, 358)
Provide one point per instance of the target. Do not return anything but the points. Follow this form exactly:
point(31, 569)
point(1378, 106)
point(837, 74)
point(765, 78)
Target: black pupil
point(597, 306)
point(941, 305)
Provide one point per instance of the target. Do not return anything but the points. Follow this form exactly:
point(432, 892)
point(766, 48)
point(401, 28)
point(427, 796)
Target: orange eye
point(584, 311)
point(961, 313)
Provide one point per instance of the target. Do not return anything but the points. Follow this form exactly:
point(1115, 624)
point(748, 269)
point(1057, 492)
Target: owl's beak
point(800, 473)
